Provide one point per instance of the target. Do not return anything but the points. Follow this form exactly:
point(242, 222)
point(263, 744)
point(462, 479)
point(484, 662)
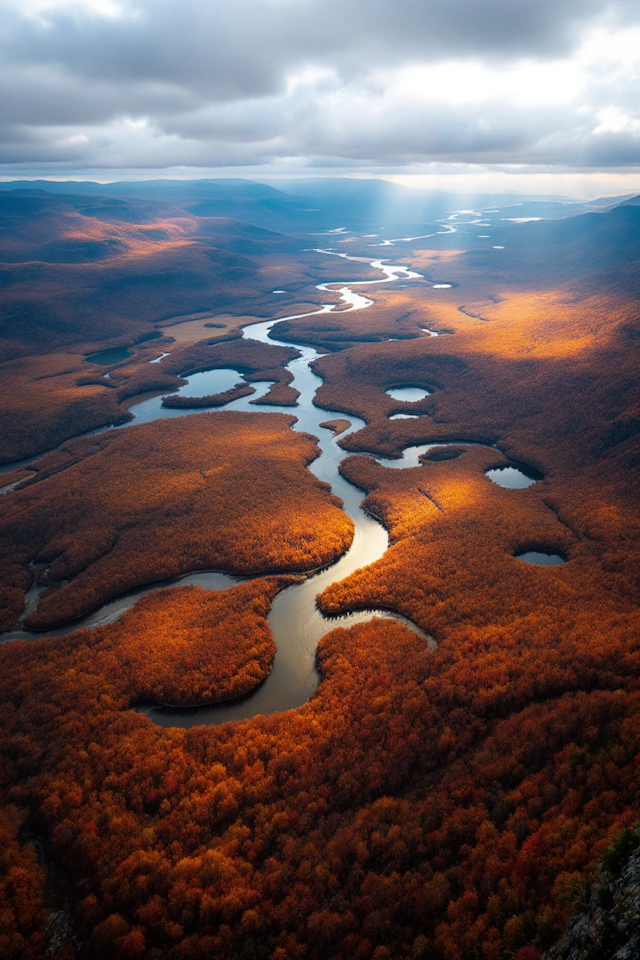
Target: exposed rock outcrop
point(608, 925)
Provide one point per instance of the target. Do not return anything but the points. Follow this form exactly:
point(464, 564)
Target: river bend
point(295, 620)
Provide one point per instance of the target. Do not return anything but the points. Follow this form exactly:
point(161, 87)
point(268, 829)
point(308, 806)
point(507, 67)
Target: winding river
point(295, 621)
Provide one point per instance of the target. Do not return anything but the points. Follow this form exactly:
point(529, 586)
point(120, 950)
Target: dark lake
point(105, 358)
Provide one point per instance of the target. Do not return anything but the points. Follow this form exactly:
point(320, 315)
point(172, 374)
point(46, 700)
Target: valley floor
point(471, 748)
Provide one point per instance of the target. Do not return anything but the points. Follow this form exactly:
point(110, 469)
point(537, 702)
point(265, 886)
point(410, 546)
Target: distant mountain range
point(308, 205)
point(87, 256)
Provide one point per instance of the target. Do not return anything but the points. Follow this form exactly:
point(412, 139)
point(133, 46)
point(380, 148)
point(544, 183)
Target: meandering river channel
point(295, 620)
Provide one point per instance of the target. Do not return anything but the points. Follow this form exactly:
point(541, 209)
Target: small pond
point(515, 477)
point(408, 394)
point(105, 358)
point(541, 558)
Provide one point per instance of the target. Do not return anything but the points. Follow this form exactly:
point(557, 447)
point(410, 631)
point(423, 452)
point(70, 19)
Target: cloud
point(162, 83)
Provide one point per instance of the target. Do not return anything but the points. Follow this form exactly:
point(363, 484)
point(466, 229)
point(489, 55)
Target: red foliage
point(438, 804)
point(394, 810)
point(223, 491)
point(23, 916)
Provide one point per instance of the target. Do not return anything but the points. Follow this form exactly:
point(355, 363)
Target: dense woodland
point(81, 273)
point(108, 513)
point(46, 399)
point(408, 809)
point(75, 269)
point(446, 804)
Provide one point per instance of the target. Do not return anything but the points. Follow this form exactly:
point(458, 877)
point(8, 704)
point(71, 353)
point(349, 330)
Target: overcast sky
point(107, 88)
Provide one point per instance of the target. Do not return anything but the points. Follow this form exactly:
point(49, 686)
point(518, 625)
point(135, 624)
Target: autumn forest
point(319, 575)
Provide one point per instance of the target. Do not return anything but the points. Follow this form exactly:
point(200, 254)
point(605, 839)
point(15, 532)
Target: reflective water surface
point(407, 394)
point(104, 358)
point(541, 558)
point(295, 620)
point(515, 476)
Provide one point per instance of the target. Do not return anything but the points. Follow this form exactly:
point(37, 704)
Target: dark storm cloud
point(246, 47)
point(213, 83)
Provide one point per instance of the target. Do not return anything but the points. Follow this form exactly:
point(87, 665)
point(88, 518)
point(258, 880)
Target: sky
point(538, 95)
